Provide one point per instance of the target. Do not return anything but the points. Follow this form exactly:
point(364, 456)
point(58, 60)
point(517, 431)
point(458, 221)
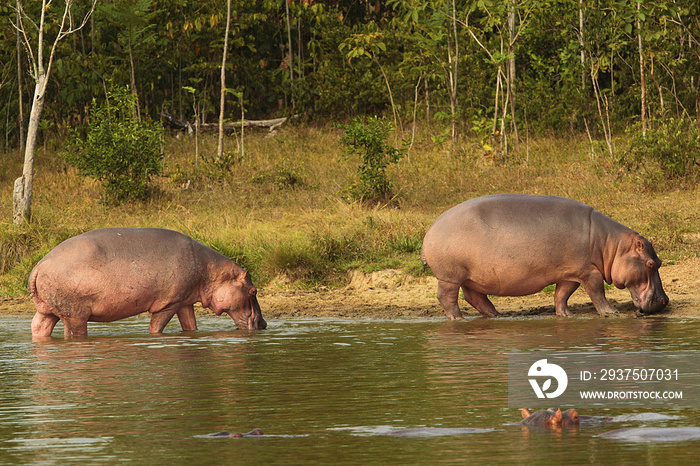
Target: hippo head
point(569, 418)
point(638, 271)
point(541, 418)
point(235, 295)
point(550, 418)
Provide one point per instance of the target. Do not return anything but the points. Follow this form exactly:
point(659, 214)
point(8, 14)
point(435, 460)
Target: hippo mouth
point(654, 303)
point(254, 321)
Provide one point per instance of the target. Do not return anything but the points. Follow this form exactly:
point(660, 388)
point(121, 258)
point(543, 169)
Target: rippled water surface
point(321, 390)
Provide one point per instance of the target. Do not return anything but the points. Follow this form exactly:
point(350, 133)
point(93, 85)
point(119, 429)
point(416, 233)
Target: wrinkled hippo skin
point(654, 434)
point(113, 273)
point(517, 244)
point(550, 418)
point(253, 433)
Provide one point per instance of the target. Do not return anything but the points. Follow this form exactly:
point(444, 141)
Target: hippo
point(517, 244)
point(225, 434)
point(114, 273)
point(550, 418)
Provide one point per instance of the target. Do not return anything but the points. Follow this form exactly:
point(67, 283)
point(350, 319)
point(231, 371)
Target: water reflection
point(321, 391)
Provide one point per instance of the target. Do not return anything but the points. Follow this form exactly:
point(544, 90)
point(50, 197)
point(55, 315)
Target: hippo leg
point(448, 295)
point(596, 291)
point(186, 317)
point(43, 324)
point(159, 320)
point(74, 327)
point(481, 302)
point(562, 293)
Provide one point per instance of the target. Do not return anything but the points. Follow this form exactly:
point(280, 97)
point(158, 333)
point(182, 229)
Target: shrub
point(670, 150)
point(368, 140)
point(118, 150)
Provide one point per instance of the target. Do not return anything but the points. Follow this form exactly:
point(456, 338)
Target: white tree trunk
point(22, 196)
point(222, 100)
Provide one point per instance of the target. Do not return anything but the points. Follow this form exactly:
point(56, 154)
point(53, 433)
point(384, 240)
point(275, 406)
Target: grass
point(278, 209)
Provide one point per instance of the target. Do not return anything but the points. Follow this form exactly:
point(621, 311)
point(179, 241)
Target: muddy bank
point(390, 293)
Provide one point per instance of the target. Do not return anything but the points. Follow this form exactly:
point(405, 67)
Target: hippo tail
point(423, 259)
point(31, 285)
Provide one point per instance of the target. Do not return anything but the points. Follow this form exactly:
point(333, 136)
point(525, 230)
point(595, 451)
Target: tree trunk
point(453, 76)
point(137, 110)
point(641, 74)
point(20, 90)
point(511, 71)
point(291, 53)
point(222, 100)
point(22, 196)
point(582, 45)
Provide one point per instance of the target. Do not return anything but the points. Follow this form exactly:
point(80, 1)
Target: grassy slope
point(279, 209)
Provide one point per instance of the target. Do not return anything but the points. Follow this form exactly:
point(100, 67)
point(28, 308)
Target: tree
point(370, 45)
point(40, 71)
point(222, 100)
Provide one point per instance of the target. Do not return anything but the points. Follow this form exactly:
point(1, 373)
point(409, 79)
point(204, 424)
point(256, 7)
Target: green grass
point(278, 209)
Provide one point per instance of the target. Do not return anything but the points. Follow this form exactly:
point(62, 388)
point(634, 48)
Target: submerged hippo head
point(638, 271)
point(234, 294)
point(550, 418)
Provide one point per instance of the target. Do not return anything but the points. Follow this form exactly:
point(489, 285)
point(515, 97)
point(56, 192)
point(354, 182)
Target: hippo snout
point(658, 302)
point(654, 303)
point(253, 321)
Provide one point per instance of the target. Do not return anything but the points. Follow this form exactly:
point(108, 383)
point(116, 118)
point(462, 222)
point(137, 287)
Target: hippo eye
point(650, 264)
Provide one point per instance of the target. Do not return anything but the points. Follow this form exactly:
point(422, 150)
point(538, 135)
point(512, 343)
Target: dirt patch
point(390, 294)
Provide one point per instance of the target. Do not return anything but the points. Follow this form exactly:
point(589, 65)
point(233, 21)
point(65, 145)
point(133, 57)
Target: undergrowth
point(278, 209)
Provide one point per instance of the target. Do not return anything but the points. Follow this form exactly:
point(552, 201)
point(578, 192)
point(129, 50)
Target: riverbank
point(391, 293)
point(282, 211)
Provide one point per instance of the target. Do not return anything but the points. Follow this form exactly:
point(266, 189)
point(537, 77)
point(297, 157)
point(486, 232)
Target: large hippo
point(113, 273)
point(517, 244)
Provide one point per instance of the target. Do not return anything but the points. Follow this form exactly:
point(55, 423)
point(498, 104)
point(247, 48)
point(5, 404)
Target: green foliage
point(21, 248)
point(670, 150)
point(118, 150)
point(368, 140)
point(284, 175)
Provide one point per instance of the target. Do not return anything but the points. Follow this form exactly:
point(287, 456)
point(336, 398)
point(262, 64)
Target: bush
point(670, 150)
point(368, 140)
point(119, 150)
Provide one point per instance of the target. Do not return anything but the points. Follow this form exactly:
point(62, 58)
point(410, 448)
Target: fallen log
point(271, 125)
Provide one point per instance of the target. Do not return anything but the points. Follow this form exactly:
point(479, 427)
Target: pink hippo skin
point(114, 273)
point(517, 244)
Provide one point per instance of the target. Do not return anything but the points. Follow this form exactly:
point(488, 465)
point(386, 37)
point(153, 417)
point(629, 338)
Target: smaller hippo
point(225, 434)
point(550, 418)
point(114, 273)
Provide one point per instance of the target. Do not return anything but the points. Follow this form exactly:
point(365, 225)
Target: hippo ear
point(557, 415)
point(639, 246)
point(526, 413)
point(243, 276)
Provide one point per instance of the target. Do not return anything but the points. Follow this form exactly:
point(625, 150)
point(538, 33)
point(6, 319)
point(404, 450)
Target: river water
point(323, 391)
